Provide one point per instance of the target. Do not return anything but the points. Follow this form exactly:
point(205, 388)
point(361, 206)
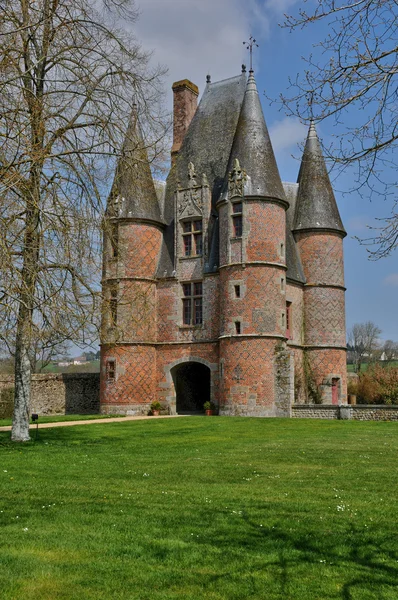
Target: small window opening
point(237, 222)
point(237, 327)
point(282, 284)
point(289, 322)
point(283, 321)
point(110, 370)
point(282, 250)
point(237, 291)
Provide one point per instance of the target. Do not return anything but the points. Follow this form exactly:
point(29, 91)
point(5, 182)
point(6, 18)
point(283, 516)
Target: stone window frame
point(192, 239)
point(237, 218)
point(110, 370)
point(289, 320)
point(193, 300)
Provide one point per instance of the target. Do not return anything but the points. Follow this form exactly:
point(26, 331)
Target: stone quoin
point(225, 284)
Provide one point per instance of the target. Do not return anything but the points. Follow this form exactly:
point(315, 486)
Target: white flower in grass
point(25, 529)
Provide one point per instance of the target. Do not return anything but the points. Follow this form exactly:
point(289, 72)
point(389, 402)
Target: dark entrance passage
point(192, 386)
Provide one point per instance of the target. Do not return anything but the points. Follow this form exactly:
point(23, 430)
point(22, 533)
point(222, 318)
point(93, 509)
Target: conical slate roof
point(133, 193)
point(316, 206)
point(252, 147)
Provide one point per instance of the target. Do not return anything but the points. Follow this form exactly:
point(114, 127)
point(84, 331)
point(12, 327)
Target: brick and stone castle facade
point(227, 284)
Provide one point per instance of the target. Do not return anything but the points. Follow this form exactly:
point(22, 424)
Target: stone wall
point(57, 394)
point(359, 412)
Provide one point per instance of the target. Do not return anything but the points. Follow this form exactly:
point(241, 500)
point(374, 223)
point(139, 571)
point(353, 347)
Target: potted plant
point(155, 408)
point(209, 408)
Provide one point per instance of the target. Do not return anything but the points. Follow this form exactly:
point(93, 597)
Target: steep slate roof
point(207, 144)
point(294, 267)
point(133, 193)
point(252, 147)
point(316, 206)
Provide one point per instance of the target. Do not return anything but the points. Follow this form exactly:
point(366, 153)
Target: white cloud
point(391, 280)
point(194, 38)
point(286, 134)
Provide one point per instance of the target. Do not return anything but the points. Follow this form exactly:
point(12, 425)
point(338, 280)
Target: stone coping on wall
point(55, 376)
point(355, 412)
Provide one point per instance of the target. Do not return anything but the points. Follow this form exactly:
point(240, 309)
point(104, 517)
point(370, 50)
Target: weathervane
point(249, 46)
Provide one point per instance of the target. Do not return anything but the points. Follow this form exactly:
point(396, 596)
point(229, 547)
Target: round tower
point(319, 234)
point(132, 243)
point(255, 369)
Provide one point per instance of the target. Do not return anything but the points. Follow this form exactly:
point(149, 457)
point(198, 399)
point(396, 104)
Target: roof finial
point(208, 78)
point(249, 46)
point(243, 68)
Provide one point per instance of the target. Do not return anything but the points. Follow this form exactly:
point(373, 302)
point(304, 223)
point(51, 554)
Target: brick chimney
point(185, 103)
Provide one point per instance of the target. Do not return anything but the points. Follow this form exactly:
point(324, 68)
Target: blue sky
point(196, 38)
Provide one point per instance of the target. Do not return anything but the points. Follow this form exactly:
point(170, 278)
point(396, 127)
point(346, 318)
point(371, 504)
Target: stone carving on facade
point(190, 200)
point(238, 373)
point(236, 181)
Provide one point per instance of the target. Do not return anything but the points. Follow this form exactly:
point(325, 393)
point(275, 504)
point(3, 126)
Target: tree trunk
point(20, 420)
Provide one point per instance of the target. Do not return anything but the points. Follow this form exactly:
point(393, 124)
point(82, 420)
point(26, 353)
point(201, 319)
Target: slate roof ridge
point(223, 81)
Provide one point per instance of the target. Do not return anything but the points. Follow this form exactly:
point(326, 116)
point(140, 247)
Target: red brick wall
point(135, 385)
point(327, 364)
point(247, 383)
point(324, 316)
point(324, 309)
point(185, 103)
point(261, 304)
point(139, 249)
point(322, 257)
point(265, 224)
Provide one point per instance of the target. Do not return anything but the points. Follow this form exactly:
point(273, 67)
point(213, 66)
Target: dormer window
point(192, 237)
point(237, 219)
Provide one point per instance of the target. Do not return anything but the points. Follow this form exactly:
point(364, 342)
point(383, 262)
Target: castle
point(225, 284)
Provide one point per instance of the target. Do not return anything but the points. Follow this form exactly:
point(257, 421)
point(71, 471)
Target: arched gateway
point(192, 386)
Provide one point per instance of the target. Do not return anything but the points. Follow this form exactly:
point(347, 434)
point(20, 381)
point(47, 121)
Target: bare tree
point(358, 71)
point(390, 350)
point(68, 76)
point(363, 340)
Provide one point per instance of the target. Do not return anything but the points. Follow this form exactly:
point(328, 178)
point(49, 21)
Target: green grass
point(59, 418)
point(201, 508)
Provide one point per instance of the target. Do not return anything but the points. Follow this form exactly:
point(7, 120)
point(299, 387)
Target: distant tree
point(69, 76)
point(357, 73)
point(390, 350)
point(363, 339)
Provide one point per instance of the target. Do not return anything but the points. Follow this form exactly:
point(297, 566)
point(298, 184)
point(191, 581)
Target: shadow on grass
point(362, 561)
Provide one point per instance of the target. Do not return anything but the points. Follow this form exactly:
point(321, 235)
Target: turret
point(319, 234)
point(132, 241)
point(252, 217)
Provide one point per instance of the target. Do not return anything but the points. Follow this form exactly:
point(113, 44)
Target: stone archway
point(192, 384)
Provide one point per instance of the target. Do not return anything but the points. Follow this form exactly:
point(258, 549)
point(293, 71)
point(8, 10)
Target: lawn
point(196, 507)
